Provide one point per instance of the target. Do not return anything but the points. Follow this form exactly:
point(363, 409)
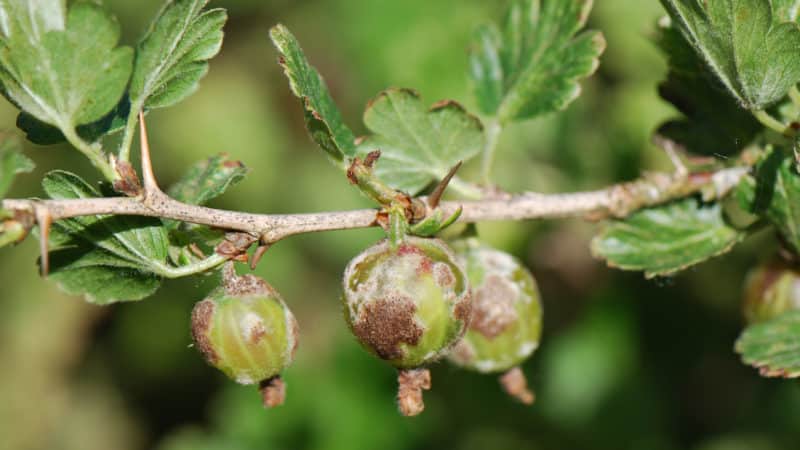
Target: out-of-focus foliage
point(624, 363)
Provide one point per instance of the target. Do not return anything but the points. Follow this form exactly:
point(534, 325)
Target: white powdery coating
point(251, 325)
point(244, 379)
point(527, 348)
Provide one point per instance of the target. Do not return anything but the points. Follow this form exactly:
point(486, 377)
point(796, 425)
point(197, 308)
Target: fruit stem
point(273, 391)
point(515, 384)
point(410, 383)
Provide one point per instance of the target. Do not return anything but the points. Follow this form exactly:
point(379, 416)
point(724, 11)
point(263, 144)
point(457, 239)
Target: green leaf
point(101, 277)
point(773, 347)
point(139, 241)
point(323, 119)
point(41, 133)
point(207, 179)
point(666, 239)
point(714, 124)
point(533, 66)
point(775, 194)
point(64, 71)
point(744, 43)
point(12, 162)
point(786, 10)
point(418, 145)
point(173, 55)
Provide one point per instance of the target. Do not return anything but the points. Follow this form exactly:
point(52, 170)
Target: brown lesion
point(463, 310)
point(201, 325)
point(386, 323)
point(493, 307)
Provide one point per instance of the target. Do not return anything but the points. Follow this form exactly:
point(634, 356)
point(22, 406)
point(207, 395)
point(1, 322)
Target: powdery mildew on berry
point(389, 293)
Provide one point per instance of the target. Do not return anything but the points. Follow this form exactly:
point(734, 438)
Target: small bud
point(247, 331)
point(770, 290)
point(11, 232)
point(407, 305)
point(506, 319)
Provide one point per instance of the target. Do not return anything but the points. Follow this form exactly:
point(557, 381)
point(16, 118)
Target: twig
point(615, 201)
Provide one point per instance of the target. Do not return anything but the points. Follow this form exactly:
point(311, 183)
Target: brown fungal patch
point(386, 323)
point(273, 392)
point(493, 308)
point(247, 285)
point(463, 309)
point(463, 352)
point(443, 275)
point(425, 266)
point(295, 331)
point(256, 332)
point(201, 325)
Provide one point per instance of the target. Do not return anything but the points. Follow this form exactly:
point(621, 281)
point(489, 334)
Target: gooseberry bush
point(431, 290)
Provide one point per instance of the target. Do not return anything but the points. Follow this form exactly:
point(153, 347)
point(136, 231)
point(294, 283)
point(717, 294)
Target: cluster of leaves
point(733, 69)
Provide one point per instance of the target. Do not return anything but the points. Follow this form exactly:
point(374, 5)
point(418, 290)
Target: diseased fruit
point(770, 290)
point(506, 319)
point(408, 305)
point(246, 330)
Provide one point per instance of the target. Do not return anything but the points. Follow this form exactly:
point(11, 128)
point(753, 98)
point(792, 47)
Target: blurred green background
point(625, 363)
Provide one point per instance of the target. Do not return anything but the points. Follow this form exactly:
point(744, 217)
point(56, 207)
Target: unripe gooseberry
point(770, 290)
point(506, 316)
point(246, 330)
point(408, 304)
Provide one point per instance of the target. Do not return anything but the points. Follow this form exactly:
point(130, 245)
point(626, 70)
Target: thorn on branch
point(150, 183)
point(45, 220)
point(673, 151)
point(258, 254)
point(436, 195)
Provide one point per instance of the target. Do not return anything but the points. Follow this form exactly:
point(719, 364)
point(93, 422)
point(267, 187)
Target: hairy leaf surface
point(745, 43)
point(323, 119)
point(64, 70)
point(418, 145)
point(173, 55)
point(666, 239)
point(534, 64)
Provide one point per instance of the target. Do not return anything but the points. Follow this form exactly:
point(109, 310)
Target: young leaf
point(101, 277)
point(12, 162)
point(139, 241)
point(744, 43)
point(666, 239)
point(775, 194)
point(207, 179)
point(534, 65)
point(773, 347)
point(323, 119)
point(64, 71)
point(418, 145)
point(714, 122)
point(173, 55)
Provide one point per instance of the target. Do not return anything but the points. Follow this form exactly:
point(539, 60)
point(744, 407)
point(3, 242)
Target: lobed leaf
point(101, 277)
point(418, 145)
point(744, 43)
point(775, 194)
point(323, 119)
point(714, 124)
point(207, 179)
point(666, 239)
point(534, 65)
point(63, 70)
point(130, 248)
point(773, 347)
point(173, 55)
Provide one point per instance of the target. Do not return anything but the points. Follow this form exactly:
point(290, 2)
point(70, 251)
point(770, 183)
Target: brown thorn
point(515, 384)
point(150, 183)
point(273, 391)
point(258, 254)
point(436, 195)
point(44, 219)
point(673, 150)
point(411, 383)
point(195, 249)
